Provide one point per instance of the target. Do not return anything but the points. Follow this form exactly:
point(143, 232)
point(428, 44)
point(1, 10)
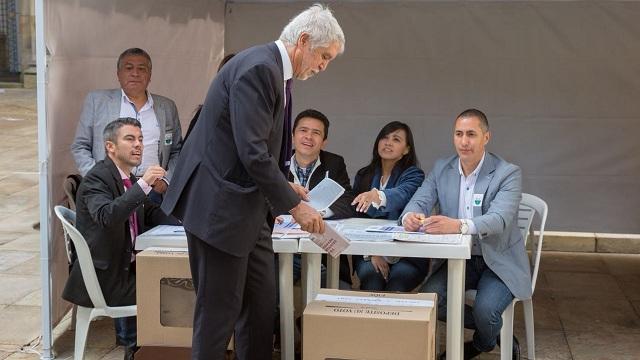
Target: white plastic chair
point(67, 245)
point(85, 314)
point(529, 206)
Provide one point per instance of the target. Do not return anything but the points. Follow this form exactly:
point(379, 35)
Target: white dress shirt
point(465, 203)
point(150, 131)
point(287, 68)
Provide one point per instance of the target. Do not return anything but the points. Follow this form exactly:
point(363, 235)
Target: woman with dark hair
point(384, 187)
point(196, 113)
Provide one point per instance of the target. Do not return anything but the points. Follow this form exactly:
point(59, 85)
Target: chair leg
point(527, 306)
point(83, 320)
point(74, 311)
point(506, 333)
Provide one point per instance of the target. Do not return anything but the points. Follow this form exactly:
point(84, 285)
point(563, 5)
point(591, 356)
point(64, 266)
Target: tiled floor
point(586, 306)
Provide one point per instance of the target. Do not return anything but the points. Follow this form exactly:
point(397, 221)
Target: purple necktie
point(286, 149)
point(133, 218)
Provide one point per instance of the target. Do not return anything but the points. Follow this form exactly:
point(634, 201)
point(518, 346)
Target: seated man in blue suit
point(476, 193)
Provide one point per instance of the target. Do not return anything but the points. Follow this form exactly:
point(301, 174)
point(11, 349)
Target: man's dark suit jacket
point(102, 217)
point(334, 164)
point(228, 176)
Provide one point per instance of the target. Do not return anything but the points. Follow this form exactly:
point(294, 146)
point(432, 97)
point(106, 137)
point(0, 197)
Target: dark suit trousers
point(233, 292)
point(126, 328)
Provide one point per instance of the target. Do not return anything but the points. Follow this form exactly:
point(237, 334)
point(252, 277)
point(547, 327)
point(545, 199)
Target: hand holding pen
point(414, 221)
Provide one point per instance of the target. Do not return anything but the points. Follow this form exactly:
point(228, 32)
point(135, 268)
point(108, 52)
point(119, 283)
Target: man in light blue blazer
point(157, 114)
point(476, 192)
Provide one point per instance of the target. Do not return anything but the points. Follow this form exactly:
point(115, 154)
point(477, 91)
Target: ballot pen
point(423, 221)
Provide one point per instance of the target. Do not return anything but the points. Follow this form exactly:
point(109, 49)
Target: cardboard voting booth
point(341, 324)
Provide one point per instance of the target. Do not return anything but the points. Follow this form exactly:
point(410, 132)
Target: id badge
point(477, 199)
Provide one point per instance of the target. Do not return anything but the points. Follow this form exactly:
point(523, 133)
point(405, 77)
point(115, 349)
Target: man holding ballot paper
point(230, 182)
point(310, 165)
point(476, 193)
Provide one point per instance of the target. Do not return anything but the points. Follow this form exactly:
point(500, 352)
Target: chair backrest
point(529, 206)
point(70, 187)
point(89, 276)
point(67, 239)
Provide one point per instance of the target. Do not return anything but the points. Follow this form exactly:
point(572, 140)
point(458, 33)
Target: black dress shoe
point(470, 352)
point(129, 352)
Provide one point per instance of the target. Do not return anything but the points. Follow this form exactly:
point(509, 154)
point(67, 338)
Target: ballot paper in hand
point(325, 194)
point(331, 241)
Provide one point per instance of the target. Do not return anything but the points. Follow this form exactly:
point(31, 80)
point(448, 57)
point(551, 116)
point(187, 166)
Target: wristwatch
point(464, 227)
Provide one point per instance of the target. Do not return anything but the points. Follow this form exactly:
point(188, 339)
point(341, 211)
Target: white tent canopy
point(558, 80)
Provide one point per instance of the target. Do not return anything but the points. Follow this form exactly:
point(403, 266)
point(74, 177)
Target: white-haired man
point(230, 183)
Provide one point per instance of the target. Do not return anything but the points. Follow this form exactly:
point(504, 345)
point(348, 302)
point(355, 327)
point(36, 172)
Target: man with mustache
point(157, 114)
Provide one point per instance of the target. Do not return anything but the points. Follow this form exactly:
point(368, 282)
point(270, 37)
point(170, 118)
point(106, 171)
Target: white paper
point(363, 235)
point(166, 249)
point(331, 241)
point(429, 238)
point(390, 229)
point(325, 194)
point(385, 301)
point(166, 230)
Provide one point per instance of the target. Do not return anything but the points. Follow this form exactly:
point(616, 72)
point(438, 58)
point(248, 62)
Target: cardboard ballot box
point(341, 324)
point(163, 353)
point(165, 298)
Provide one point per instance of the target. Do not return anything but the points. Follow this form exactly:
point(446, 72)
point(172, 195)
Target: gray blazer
point(103, 106)
point(496, 219)
point(228, 178)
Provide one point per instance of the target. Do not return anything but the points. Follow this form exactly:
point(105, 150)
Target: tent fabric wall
point(559, 82)
point(84, 38)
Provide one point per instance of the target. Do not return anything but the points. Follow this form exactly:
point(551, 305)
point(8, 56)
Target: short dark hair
point(133, 52)
point(315, 114)
point(110, 132)
point(225, 60)
point(484, 123)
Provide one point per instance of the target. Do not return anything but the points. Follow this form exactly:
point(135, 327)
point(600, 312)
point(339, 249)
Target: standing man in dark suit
point(230, 183)
point(112, 208)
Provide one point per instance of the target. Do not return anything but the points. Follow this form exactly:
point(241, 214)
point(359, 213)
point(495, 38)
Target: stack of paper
point(166, 230)
point(429, 238)
point(288, 229)
point(390, 229)
point(363, 235)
